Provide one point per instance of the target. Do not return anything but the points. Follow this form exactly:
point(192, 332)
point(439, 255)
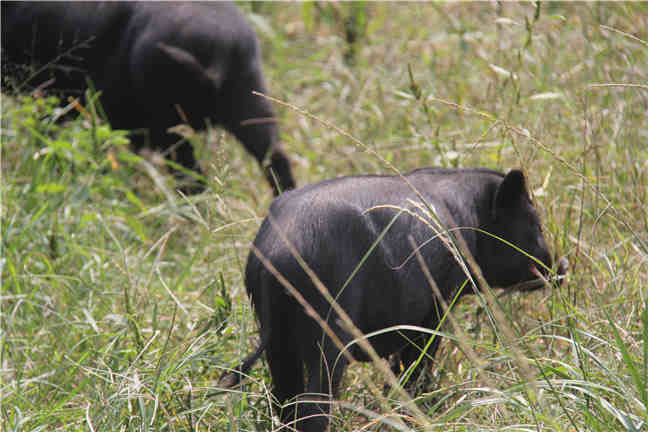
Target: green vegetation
point(123, 302)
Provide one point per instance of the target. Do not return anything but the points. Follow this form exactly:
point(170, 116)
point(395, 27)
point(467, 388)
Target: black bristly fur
point(153, 61)
point(333, 224)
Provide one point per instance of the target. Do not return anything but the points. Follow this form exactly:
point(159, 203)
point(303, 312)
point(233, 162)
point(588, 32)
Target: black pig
point(153, 61)
point(333, 224)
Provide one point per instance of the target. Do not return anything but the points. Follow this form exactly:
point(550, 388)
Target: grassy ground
point(122, 302)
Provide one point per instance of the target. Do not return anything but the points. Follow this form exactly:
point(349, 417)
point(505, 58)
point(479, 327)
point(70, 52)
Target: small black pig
point(155, 63)
point(333, 224)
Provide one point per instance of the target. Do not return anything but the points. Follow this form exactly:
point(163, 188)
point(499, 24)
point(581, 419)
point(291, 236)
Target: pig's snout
point(563, 266)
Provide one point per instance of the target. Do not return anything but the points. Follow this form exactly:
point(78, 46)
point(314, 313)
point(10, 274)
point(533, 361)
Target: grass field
point(123, 302)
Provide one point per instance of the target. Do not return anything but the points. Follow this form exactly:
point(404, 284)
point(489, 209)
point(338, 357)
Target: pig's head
point(514, 218)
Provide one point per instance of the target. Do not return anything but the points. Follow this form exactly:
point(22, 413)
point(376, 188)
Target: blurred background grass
point(122, 301)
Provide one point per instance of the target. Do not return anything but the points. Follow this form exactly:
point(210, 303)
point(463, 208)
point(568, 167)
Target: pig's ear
point(511, 192)
point(209, 77)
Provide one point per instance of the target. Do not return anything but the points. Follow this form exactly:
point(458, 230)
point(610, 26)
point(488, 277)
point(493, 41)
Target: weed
point(123, 302)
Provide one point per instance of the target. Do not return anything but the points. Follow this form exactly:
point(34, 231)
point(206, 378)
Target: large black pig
point(152, 61)
point(333, 224)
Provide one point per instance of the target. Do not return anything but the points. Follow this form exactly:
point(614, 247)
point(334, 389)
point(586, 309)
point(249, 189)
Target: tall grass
point(123, 302)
